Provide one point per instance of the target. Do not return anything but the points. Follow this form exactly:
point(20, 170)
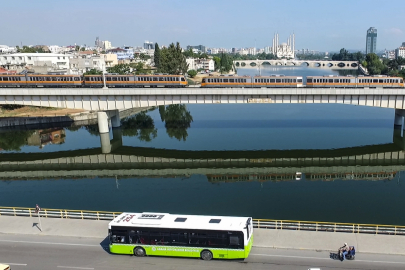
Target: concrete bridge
point(109, 101)
point(327, 64)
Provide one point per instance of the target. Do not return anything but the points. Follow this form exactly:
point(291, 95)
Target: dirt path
point(31, 111)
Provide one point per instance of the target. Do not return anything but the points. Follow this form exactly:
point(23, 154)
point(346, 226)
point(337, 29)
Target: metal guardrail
point(257, 223)
point(328, 227)
point(58, 213)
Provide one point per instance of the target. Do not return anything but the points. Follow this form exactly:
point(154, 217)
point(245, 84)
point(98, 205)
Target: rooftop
point(164, 220)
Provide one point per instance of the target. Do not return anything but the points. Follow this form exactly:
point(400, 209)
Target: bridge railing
point(257, 223)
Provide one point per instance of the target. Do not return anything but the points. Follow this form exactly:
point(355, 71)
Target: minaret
point(293, 48)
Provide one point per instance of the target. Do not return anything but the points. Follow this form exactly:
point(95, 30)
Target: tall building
point(371, 40)
point(201, 48)
point(148, 45)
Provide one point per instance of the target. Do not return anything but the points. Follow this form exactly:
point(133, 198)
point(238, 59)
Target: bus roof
point(172, 221)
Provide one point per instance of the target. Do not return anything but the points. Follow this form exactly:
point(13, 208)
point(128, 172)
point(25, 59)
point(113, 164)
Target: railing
point(58, 213)
point(257, 223)
point(328, 227)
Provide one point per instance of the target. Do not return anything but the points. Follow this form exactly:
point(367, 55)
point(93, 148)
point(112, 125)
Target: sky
point(322, 25)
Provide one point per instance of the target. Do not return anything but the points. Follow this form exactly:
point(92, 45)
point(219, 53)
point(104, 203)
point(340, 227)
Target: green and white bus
point(160, 234)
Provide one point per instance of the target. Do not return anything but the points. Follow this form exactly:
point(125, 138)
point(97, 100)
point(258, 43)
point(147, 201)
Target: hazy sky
point(323, 25)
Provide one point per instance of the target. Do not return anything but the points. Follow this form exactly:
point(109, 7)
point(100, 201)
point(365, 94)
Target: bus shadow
point(105, 245)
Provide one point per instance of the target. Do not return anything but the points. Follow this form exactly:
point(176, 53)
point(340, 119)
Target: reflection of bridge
point(292, 62)
point(365, 162)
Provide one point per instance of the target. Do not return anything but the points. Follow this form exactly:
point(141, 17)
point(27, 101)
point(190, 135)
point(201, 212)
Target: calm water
point(229, 160)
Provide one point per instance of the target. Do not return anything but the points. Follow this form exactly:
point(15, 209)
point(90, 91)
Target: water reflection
point(351, 152)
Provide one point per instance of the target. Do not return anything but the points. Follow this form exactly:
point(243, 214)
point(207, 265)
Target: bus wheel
point(206, 255)
point(139, 252)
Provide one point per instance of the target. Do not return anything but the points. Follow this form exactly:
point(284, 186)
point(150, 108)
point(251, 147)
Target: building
point(284, 50)
point(200, 64)
point(200, 48)
point(106, 45)
point(7, 49)
point(85, 61)
point(400, 52)
point(110, 59)
point(251, 51)
point(123, 53)
point(148, 45)
point(40, 62)
point(371, 40)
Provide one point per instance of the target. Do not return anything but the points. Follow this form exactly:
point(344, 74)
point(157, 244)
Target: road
point(35, 252)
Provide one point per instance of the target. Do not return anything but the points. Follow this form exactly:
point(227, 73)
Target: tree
point(141, 126)
point(93, 71)
point(156, 56)
point(217, 62)
point(172, 60)
point(121, 69)
point(192, 73)
point(77, 48)
point(189, 53)
point(13, 141)
point(177, 120)
point(374, 64)
point(139, 68)
point(225, 63)
point(82, 49)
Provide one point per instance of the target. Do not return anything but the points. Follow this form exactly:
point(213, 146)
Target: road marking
point(72, 267)
point(50, 243)
point(316, 258)
point(20, 264)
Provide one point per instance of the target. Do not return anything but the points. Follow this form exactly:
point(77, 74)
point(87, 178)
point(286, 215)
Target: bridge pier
point(107, 145)
point(115, 119)
point(399, 118)
point(102, 121)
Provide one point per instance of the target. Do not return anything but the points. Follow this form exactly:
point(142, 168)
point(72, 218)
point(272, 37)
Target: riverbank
point(50, 116)
point(32, 111)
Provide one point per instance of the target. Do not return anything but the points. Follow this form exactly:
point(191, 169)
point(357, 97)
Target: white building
point(106, 45)
point(204, 64)
point(284, 50)
point(50, 61)
point(400, 52)
point(56, 49)
point(191, 64)
point(251, 51)
point(7, 49)
point(82, 63)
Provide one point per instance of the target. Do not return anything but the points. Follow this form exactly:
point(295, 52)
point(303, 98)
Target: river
point(219, 159)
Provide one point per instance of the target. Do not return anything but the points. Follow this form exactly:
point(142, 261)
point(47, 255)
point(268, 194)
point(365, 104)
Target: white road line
point(316, 258)
point(20, 264)
point(50, 243)
point(72, 267)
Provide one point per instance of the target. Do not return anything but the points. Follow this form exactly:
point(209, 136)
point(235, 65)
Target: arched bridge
point(328, 64)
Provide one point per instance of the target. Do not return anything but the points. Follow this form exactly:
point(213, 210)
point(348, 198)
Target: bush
point(192, 73)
